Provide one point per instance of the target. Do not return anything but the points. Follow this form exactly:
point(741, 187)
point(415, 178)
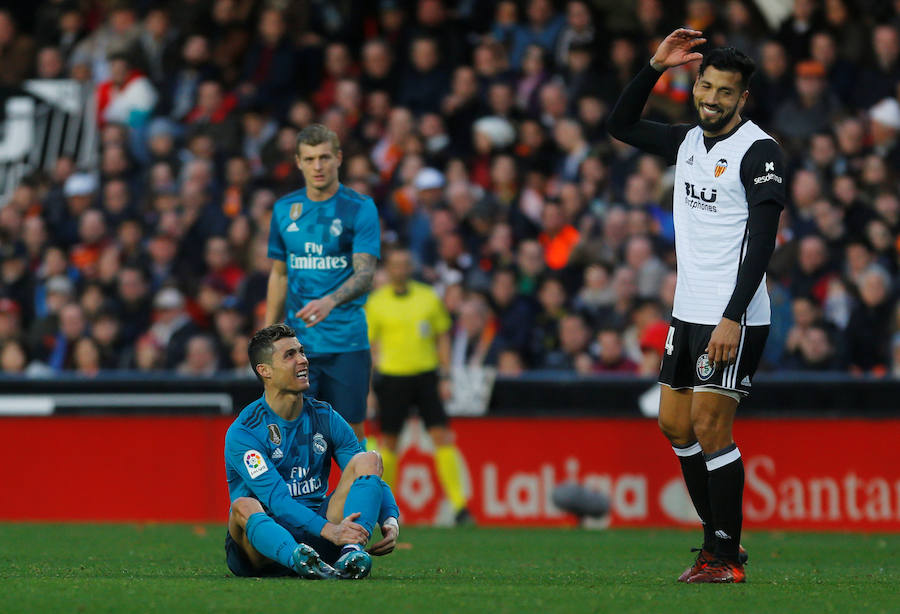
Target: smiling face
point(288, 370)
point(719, 97)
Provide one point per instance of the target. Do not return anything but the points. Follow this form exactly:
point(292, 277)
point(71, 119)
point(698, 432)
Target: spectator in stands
point(50, 63)
point(158, 44)
point(558, 237)
point(268, 75)
point(425, 82)
point(515, 313)
point(462, 107)
point(869, 339)
point(815, 351)
point(812, 108)
point(13, 357)
point(850, 33)
point(473, 340)
point(86, 357)
point(772, 85)
point(200, 358)
point(572, 352)
point(879, 76)
point(105, 327)
point(378, 70)
point(127, 97)
point(16, 51)
point(172, 326)
point(542, 28)
point(10, 319)
point(840, 74)
point(611, 356)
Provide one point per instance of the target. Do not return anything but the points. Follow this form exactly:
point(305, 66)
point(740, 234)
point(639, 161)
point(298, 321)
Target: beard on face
point(714, 125)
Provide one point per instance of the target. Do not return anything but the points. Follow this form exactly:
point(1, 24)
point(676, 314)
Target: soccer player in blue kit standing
point(325, 240)
point(278, 456)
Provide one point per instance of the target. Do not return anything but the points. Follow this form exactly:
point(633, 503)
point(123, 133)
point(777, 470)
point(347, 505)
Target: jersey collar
point(710, 141)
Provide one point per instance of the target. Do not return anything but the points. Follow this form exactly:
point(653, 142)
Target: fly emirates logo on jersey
point(299, 485)
point(313, 258)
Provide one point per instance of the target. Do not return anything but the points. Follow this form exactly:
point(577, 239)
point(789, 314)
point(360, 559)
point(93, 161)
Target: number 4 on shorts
point(669, 347)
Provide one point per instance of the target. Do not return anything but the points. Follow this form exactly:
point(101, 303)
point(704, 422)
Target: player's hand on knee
point(390, 532)
point(348, 532)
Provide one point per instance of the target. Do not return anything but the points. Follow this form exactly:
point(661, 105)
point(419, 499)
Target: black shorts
point(398, 394)
point(685, 363)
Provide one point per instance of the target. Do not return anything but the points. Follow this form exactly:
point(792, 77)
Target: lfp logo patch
point(255, 463)
point(721, 165)
point(704, 368)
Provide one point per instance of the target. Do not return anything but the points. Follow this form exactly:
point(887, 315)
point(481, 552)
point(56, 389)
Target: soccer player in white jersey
point(729, 192)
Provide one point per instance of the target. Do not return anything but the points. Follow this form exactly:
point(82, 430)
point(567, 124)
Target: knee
point(244, 507)
point(706, 428)
point(366, 463)
point(673, 430)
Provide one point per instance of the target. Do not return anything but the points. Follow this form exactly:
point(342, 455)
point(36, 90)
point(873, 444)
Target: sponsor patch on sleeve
point(255, 463)
point(769, 174)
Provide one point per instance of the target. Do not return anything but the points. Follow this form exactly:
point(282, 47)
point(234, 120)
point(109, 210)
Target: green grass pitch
point(50, 568)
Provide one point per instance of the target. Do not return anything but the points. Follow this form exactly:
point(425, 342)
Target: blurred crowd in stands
point(478, 129)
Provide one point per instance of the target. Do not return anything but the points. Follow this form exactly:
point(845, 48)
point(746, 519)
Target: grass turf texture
point(181, 568)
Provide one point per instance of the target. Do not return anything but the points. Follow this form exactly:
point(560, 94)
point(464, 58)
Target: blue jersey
point(317, 240)
point(285, 465)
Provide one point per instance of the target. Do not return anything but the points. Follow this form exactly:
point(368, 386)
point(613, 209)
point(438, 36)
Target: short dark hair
point(316, 134)
point(729, 58)
point(262, 345)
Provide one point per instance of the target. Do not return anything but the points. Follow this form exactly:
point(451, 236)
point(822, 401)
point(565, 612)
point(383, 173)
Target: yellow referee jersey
point(406, 327)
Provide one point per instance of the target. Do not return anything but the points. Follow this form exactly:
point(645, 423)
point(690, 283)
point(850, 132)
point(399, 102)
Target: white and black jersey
point(717, 181)
point(728, 195)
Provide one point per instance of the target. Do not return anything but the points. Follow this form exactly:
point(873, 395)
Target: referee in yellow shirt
point(409, 334)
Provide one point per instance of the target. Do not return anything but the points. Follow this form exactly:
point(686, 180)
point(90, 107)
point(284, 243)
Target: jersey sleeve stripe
point(252, 416)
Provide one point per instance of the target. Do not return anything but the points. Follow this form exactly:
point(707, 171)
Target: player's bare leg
point(712, 418)
point(240, 513)
point(675, 415)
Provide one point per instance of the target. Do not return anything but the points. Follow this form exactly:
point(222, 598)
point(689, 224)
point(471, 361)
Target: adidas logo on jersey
point(746, 381)
point(277, 454)
point(292, 228)
point(690, 161)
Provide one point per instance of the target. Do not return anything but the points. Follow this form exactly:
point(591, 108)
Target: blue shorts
point(240, 565)
point(343, 381)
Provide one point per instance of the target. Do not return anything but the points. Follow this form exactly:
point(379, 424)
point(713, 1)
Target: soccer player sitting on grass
point(277, 459)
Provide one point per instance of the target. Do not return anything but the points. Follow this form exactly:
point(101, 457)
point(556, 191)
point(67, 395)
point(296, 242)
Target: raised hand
point(677, 49)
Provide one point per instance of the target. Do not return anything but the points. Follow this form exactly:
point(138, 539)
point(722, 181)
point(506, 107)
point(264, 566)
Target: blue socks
point(388, 504)
point(271, 539)
point(364, 497)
